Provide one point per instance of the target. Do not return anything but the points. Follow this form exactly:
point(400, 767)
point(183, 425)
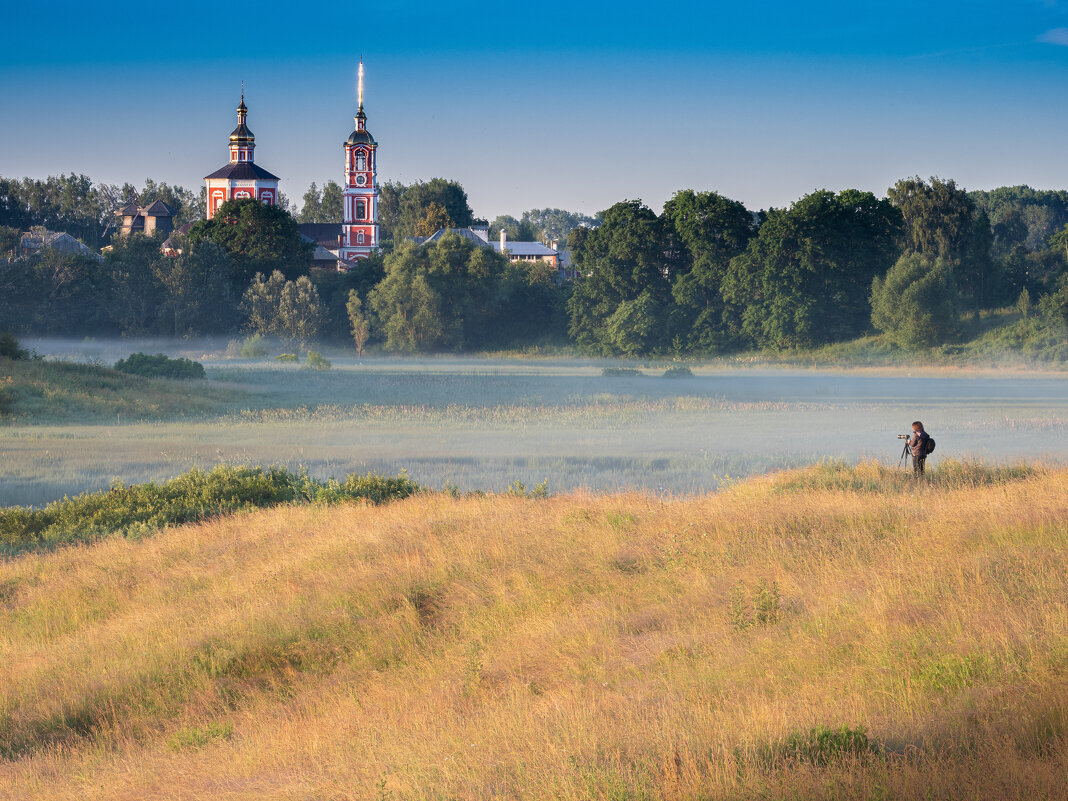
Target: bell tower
point(359, 232)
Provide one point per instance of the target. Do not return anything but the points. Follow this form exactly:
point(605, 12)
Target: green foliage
point(435, 219)
point(823, 746)
point(143, 508)
point(258, 238)
point(445, 296)
point(678, 371)
point(804, 279)
point(159, 366)
point(359, 324)
point(9, 347)
point(254, 347)
point(199, 736)
point(621, 372)
point(758, 607)
point(401, 208)
point(316, 361)
point(325, 206)
point(946, 474)
point(197, 296)
point(286, 358)
point(916, 304)
point(517, 489)
point(288, 309)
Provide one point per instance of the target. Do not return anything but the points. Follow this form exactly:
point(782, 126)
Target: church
point(346, 243)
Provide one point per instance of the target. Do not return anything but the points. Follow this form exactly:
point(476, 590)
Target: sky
point(554, 104)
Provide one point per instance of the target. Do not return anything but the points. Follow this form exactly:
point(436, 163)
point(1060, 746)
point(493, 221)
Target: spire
point(361, 118)
point(242, 140)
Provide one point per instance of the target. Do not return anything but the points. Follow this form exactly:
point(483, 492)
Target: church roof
point(243, 171)
point(360, 138)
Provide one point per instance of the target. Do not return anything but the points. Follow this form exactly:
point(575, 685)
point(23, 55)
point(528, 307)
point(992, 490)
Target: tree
point(435, 220)
point(515, 230)
point(416, 199)
point(628, 255)
point(300, 312)
point(804, 279)
point(942, 221)
point(444, 296)
point(258, 238)
point(289, 309)
point(134, 295)
point(358, 322)
point(916, 304)
point(556, 224)
point(332, 209)
point(197, 294)
point(313, 203)
point(712, 230)
point(636, 326)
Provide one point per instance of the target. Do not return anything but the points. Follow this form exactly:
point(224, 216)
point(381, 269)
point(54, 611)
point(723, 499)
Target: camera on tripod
point(902, 436)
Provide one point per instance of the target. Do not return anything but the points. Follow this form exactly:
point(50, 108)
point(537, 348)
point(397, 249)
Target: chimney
point(554, 244)
point(504, 241)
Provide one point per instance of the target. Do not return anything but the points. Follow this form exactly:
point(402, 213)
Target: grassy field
point(481, 424)
point(832, 632)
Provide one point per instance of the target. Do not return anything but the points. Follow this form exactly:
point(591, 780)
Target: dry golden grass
point(579, 647)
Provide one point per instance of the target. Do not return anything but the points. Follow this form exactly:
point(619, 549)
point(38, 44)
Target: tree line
point(704, 276)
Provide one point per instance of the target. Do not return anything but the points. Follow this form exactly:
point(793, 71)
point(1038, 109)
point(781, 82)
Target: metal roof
point(243, 171)
point(524, 248)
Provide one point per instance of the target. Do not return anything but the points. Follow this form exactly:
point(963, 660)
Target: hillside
point(33, 391)
point(578, 647)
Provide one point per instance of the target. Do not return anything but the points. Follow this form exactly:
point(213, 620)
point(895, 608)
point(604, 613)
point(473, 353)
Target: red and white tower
point(241, 178)
point(359, 232)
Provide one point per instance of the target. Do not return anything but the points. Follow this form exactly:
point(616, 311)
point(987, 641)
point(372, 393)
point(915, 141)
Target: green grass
point(43, 391)
point(145, 508)
point(878, 478)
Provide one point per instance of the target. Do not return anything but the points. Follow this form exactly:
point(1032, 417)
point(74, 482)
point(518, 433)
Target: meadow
point(482, 423)
point(832, 632)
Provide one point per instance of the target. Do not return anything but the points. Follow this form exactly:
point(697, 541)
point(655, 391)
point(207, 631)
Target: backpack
point(930, 445)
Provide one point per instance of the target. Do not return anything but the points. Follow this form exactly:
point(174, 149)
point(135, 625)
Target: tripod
point(903, 462)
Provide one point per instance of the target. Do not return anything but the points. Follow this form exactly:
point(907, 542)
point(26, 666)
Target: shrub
point(621, 372)
point(197, 736)
point(286, 358)
point(316, 361)
point(916, 304)
point(141, 509)
point(678, 371)
point(254, 347)
point(159, 366)
point(822, 746)
point(9, 347)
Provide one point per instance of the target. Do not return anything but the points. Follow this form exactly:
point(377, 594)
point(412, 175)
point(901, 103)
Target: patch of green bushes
point(9, 347)
point(316, 361)
point(286, 358)
point(678, 371)
point(159, 366)
point(621, 372)
point(142, 509)
point(823, 746)
point(251, 347)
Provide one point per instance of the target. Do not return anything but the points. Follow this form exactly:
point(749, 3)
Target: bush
point(286, 358)
point(916, 304)
point(144, 508)
point(159, 366)
point(621, 372)
point(822, 746)
point(9, 347)
point(678, 371)
point(254, 347)
point(316, 361)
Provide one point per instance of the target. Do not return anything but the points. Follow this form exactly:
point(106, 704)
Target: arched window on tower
point(361, 210)
point(361, 160)
point(359, 238)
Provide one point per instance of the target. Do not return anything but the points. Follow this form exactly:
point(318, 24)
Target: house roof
point(324, 234)
point(323, 254)
point(158, 209)
point(243, 171)
point(131, 209)
point(465, 233)
point(524, 248)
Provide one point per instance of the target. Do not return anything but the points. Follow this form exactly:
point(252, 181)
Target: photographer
point(917, 445)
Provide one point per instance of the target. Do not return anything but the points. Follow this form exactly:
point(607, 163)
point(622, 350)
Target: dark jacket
point(918, 444)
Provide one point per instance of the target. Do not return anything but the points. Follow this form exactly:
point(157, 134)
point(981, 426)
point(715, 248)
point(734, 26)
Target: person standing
point(917, 445)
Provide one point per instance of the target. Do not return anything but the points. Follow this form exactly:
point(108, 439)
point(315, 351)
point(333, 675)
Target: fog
point(483, 423)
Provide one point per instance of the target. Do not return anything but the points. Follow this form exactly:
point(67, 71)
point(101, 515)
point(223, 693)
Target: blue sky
point(550, 104)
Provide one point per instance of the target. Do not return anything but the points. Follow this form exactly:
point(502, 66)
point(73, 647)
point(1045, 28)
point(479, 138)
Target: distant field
point(481, 423)
point(829, 633)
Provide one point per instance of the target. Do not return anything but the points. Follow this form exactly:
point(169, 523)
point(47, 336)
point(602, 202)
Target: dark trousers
point(917, 464)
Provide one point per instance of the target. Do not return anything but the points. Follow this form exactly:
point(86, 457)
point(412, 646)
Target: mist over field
point(482, 423)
